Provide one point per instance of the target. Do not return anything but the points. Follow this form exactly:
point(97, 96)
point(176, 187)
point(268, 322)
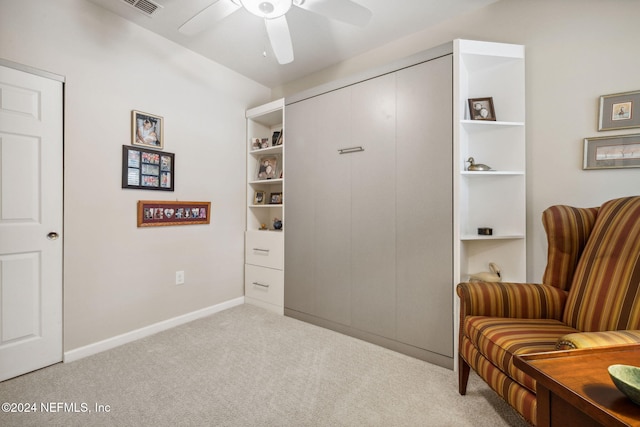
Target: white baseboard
point(109, 343)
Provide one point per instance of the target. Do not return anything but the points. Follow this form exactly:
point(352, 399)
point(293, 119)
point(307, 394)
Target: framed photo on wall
point(612, 152)
point(153, 213)
point(481, 109)
point(619, 111)
point(147, 169)
point(147, 130)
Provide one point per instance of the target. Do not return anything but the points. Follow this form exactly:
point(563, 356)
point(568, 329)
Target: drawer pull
point(350, 150)
point(261, 284)
point(261, 250)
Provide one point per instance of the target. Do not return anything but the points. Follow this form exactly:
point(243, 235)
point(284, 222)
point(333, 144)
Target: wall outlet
point(179, 277)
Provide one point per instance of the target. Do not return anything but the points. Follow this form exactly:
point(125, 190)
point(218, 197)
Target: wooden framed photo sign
point(153, 213)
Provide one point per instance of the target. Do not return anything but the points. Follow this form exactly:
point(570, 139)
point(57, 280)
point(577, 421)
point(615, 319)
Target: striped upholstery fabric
point(516, 300)
point(605, 294)
point(598, 339)
point(520, 398)
point(499, 339)
point(567, 229)
point(591, 283)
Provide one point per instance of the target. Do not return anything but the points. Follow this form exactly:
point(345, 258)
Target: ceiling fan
point(273, 12)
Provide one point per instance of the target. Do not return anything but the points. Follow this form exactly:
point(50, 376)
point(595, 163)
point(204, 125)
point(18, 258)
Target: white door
point(30, 222)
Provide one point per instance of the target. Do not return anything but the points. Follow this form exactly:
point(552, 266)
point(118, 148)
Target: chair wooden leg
point(463, 375)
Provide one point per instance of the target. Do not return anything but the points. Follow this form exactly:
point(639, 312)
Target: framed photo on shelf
point(268, 167)
point(275, 138)
point(147, 169)
point(153, 213)
point(260, 198)
point(147, 130)
point(612, 152)
point(619, 111)
point(275, 198)
point(481, 109)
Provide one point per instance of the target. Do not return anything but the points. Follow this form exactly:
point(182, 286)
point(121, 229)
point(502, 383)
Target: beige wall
point(117, 277)
point(577, 50)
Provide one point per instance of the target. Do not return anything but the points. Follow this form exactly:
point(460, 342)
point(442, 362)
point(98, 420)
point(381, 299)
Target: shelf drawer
point(264, 284)
point(264, 248)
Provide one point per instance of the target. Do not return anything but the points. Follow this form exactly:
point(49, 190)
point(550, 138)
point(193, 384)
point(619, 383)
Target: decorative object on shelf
point(268, 167)
point(263, 227)
point(260, 198)
point(627, 379)
point(256, 143)
point(487, 276)
point(476, 167)
point(612, 152)
point(152, 213)
point(147, 130)
point(616, 111)
point(485, 231)
point(276, 139)
point(277, 224)
point(276, 198)
point(147, 169)
point(481, 109)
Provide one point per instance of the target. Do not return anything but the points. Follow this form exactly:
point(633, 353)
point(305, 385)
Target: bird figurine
point(494, 275)
point(473, 166)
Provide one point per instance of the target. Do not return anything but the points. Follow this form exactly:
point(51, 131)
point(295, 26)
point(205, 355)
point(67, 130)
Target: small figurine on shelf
point(263, 226)
point(277, 224)
point(473, 166)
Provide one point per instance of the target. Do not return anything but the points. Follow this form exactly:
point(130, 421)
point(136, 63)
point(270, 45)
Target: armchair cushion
point(597, 339)
point(499, 339)
point(605, 294)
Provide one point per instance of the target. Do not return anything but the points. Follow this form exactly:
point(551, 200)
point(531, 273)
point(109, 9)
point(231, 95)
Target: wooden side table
point(574, 387)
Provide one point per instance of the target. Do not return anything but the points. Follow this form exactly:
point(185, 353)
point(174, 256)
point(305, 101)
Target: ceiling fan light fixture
point(268, 9)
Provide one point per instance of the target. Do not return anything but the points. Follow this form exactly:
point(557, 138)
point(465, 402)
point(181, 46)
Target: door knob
point(52, 236)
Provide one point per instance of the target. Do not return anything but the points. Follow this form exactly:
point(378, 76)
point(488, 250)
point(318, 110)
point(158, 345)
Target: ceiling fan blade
point(219, 10)
point(340, 10)
point(278, 31)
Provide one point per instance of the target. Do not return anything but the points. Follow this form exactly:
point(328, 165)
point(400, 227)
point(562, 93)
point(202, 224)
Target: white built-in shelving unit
point(264, 243)
point(495, 199)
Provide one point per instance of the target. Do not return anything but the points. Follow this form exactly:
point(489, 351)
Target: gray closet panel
point(424, 197)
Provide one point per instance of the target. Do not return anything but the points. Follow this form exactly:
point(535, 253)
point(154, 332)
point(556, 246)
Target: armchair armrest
point(514, 300)
point(597, 339)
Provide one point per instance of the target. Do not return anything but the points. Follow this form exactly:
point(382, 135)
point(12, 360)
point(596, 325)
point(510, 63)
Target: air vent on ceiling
point(145, 6)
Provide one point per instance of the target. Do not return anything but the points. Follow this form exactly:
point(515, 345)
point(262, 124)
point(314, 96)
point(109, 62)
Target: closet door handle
point(261, 250)
point(261, 285)
point(350, 150)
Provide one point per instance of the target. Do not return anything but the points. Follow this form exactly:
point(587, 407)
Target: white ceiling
point(238, 41)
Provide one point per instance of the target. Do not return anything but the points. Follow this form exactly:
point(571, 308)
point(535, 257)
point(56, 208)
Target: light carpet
point(246, 366)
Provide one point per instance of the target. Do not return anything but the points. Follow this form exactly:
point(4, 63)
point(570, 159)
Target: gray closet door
point(373, 294)
point(303, 134)
point(424, 195)
point(318, 230)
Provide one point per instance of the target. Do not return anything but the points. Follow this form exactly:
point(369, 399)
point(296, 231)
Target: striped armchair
point(589, 297)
